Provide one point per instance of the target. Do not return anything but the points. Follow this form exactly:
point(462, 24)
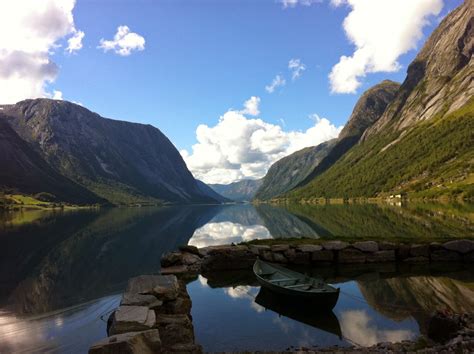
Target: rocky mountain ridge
point(119, 161)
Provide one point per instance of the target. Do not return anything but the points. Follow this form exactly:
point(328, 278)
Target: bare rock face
point(440, 77)
point(119, 161)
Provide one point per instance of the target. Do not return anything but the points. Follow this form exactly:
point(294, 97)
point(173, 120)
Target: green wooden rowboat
point(295, 285)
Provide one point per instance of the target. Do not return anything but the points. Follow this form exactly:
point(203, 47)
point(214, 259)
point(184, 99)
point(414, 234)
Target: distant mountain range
point(416, 138)
point(80, 157)
point(240, 191)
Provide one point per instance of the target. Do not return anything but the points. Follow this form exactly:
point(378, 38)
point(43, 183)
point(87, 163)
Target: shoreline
point(155, 312)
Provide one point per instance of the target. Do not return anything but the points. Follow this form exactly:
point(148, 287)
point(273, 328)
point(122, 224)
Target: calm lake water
point(61, 273)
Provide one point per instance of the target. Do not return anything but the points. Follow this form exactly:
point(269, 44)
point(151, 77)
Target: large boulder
point(164, 287)
point(228, 258)
point(445, 256)
point(460, 246)
point(132, 319)
point(442, 327)
point(175, 329)
point(146, 342)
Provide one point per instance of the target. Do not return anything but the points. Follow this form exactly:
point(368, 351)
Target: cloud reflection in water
point(356, 325)
point(218, 233)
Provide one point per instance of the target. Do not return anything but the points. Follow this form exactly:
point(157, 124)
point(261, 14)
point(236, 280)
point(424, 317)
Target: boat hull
point(323, 300)
point(324, 297)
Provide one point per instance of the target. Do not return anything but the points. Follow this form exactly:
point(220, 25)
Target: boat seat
point(299, 285)
point(266, 274)
point(281, 279)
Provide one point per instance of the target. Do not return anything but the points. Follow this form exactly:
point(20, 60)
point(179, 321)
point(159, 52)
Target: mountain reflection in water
point(377, 304)
point(56, 260)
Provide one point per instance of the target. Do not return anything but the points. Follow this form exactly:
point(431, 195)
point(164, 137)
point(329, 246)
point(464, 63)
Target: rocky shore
point(191, 260)
point(155, 312)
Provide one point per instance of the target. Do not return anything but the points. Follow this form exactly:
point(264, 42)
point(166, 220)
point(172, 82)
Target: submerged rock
point(127, 343)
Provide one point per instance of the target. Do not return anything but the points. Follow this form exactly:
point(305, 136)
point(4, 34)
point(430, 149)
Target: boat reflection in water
point(323, 319)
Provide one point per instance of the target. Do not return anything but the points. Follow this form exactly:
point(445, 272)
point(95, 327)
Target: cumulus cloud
point(57, 95)
point(296, 67)
point(28, 35)
point(238, 147)
point(124, 42)
point(294, 3)
point(75, 42)
point(251, 106)
point(278, 81)
point(381, 31)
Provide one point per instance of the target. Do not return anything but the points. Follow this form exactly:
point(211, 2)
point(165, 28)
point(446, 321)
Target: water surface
point(59, 270)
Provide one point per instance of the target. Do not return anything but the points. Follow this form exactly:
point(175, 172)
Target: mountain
point(211, 192)
point(240, 191)
point(302, 166)
point(287, 173)
point(119, 161)
point(423, 144)
point(25, 171)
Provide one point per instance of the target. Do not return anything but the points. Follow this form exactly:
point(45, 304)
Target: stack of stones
point(191, 260)
point(154, 317)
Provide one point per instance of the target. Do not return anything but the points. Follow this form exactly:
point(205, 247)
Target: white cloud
point(294, 3)
point(124, 42)
point(251, 106)
point(238, 147)
point(381, 31)
point(75, 42)
point(278, 81)
point(296, 67)
point(29, 33)
point(57, 95)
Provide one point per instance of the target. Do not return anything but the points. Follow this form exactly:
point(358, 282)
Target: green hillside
point(433, 159)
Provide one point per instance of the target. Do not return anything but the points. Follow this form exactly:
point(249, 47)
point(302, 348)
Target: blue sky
point(202, 58)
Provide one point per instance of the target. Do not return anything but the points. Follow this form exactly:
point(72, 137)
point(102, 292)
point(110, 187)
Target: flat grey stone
point(131, 299)
point(366, 246)
point(335, 245)
point(132, 319)
point(309, 248)
point(279, 248)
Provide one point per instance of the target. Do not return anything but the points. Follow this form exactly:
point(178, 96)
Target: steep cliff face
point(301, 167)
point(440, 79)
point(423, 142)
point(120, 161)
point(25, 171)
point(287, 173)
point(239, 191)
